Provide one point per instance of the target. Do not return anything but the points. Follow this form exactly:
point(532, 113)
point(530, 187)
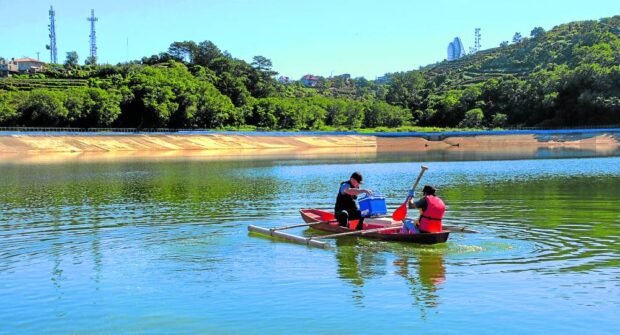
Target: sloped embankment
point(46, 147)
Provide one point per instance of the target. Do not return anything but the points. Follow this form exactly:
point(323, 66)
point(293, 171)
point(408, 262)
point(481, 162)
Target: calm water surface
point(163, 247)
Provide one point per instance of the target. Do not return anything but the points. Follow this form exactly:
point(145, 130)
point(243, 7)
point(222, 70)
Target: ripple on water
point(152, 244)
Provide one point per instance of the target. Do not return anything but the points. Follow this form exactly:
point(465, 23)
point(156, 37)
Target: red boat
point(325, 221)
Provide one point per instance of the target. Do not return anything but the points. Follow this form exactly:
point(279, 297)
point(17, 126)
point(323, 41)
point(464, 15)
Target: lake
point(163, 247)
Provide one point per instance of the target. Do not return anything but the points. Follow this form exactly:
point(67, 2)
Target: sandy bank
point(60, 147)
point(158, 142)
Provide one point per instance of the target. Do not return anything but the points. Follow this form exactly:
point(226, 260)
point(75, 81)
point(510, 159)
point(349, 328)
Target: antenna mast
point(52, 46)
point(93, 38)
point(477, 40)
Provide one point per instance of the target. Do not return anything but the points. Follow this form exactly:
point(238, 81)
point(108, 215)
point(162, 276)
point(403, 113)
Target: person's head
point(356, 179)
point(428, 190)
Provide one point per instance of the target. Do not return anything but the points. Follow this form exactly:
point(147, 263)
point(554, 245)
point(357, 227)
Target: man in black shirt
point(346, 206)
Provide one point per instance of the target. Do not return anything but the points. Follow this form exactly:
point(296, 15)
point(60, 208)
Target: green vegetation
point(566, 77)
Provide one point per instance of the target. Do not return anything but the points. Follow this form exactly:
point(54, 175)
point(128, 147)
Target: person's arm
point(417, 204)
point(411, 204)
point(357, 191)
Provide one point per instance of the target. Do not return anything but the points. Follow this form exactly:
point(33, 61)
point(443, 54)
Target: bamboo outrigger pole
point(293, 238)
point(300, 225)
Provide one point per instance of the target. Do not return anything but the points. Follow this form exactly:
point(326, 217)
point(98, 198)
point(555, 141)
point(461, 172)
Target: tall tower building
point(456, 49)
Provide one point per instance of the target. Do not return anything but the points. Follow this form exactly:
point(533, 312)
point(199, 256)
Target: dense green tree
point(72, 59)
point(183, 51)
point(602, 54)
point(156, 59)
point(8, 107)
point(471, 98)
point(205, 53)
point(214, 110)
point(263, 114)
point(91, 107)
point(262, 63)
point(473, 119)
point(90, 61)
point(345, 114)
point(382, 114)
point(516, 38)
point(234, 88)
point(103, 107)
point(448, 108)
point(537, 32)
point(498, 120)
point(404, 89)
point(42, 108)
point(75, 101)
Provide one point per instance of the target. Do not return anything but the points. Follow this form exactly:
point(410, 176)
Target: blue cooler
point(372, 205)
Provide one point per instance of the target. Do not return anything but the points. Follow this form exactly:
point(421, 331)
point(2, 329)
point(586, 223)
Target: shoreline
point(45, 147)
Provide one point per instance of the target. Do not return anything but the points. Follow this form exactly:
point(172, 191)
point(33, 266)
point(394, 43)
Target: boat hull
point(325, 221)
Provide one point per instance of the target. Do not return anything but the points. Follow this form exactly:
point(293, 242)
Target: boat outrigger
point(380, 228)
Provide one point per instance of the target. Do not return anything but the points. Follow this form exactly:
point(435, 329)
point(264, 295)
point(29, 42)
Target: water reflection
point(427, 281)
point(76, 238)
point(350, 267)
point(422, 268)
point(498, 153)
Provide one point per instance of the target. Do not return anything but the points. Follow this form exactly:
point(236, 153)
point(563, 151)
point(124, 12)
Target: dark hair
point(428, 190)
point(357, 176)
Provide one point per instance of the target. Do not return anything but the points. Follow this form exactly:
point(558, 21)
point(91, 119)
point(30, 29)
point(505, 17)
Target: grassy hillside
point(566, 77)
point(571, 44)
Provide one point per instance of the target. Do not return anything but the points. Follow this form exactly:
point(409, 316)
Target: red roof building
point(310, 80)
point(21, 65)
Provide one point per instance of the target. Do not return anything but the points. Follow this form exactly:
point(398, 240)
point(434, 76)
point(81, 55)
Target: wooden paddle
point(401, 212)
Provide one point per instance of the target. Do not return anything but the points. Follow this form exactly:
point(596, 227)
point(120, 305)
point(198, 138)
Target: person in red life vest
point(346, 207)
point(431, 208)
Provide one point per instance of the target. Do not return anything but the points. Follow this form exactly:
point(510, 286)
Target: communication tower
point(52, 46)
point(476, 47)
point(477, 39)
point(93, 38)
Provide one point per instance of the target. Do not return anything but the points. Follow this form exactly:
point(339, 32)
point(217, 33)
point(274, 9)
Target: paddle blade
point(400, 213)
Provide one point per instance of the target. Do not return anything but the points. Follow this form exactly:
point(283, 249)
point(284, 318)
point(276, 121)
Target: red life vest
point(430, 219)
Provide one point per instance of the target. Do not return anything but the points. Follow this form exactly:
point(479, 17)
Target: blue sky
point(322, 37)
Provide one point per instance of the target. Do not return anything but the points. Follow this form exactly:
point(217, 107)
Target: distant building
point(309, 80)
point(284, 80)
point(20, 65)
point(29, 65)
point(383, 79)
point(7, 68)
point(456, 49)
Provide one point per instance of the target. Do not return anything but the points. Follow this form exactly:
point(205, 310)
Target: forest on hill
point(566, 77)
